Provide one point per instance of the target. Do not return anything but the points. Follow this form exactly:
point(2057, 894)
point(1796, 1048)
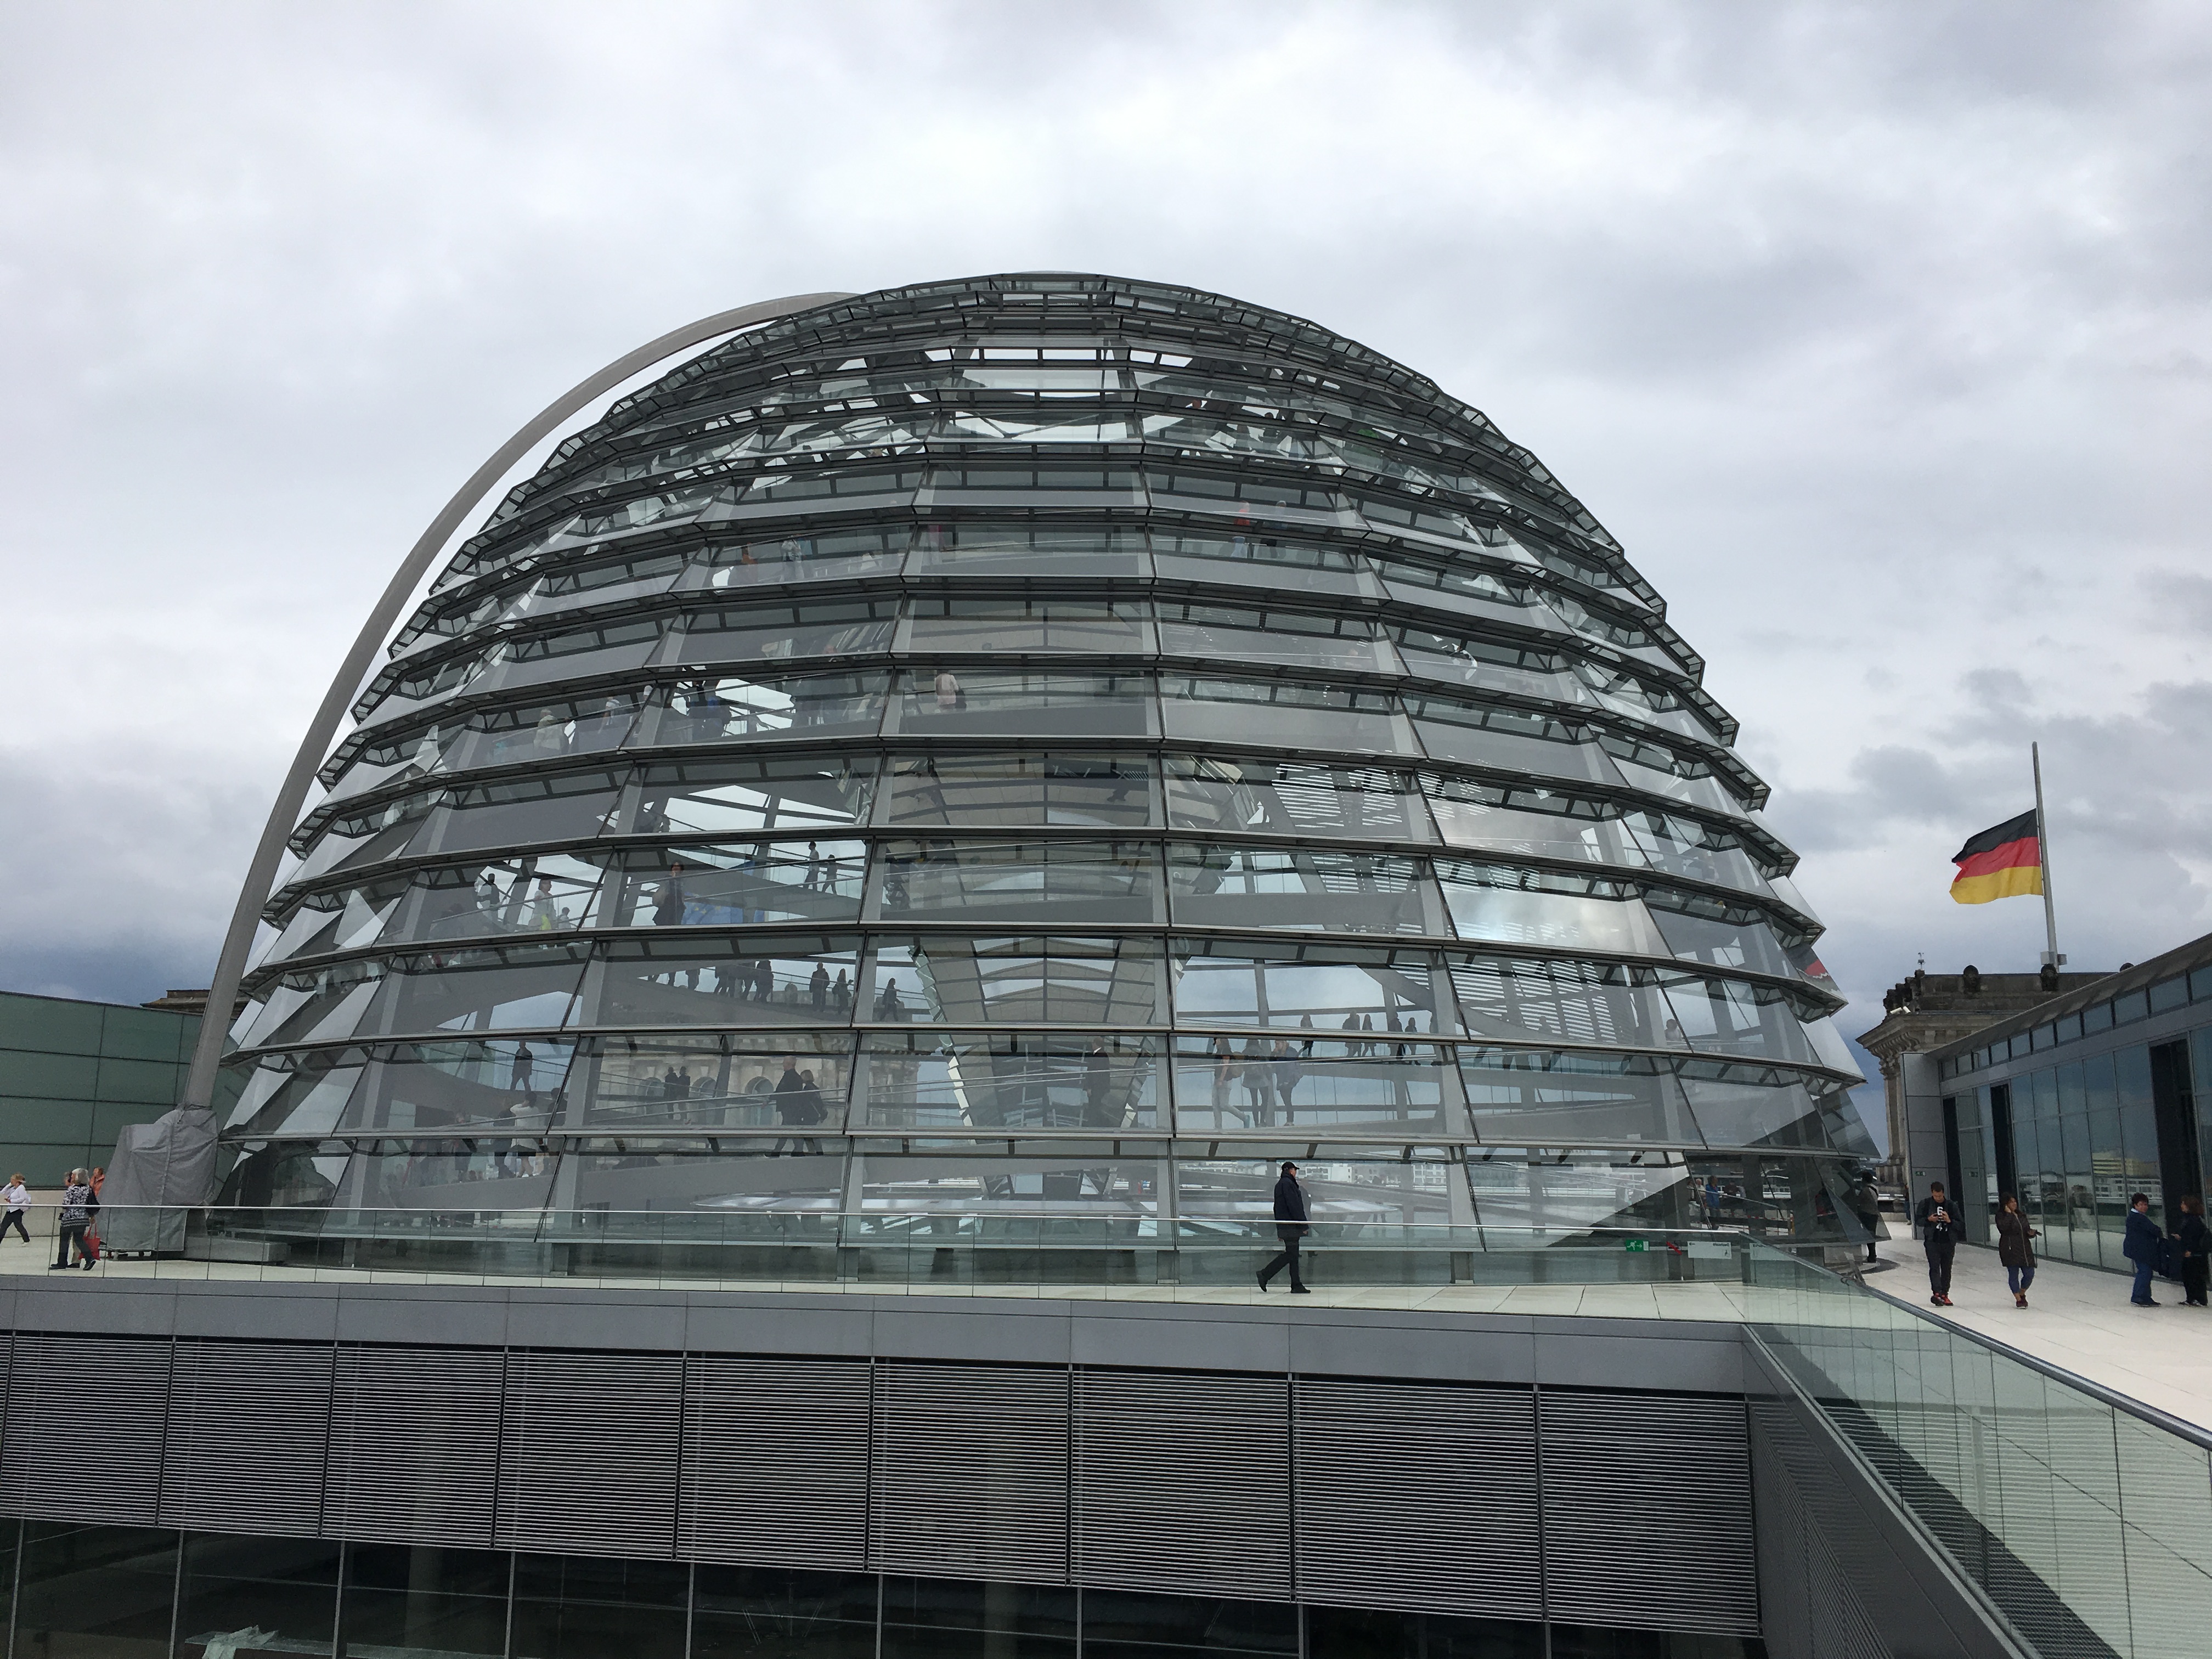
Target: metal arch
point(284, 814)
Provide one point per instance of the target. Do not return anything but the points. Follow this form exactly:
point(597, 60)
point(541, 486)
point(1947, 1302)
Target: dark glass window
point(586, 1608)
point(1375, 1633)
point(938, 1619)
point(403, 1596)
point(1123, 1624)
point(103, 1591)
point(764, 1613)
point(287, 1587)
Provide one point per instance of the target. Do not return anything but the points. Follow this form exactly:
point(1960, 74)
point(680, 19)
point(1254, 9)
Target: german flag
point(2004, 862)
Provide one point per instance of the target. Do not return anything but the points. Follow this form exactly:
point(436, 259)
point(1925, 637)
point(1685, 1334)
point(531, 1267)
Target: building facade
point(2075, 1105)
point(1928, 1011)
point(1044, 746)
point(73, 1074)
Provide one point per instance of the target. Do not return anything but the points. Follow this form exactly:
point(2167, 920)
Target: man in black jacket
point(1939, 1236)
point(1290, 1227)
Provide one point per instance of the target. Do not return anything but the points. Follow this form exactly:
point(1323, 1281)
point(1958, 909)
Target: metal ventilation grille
point(1647, 1512)
point(71, 1397)
point(415, 1445)
point(588, 1453)
point(970, 1474)
point(1814, 1609)
point(247, 1425)
point(775, 1462)
point(1417, 1496)
point(1183, 1483)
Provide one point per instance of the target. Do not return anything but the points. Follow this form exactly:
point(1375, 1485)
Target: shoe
point(1300, 1290)
point(2150, 1302)
point(1934, 1301)
point(1945, 1300)
point(56, 1267)
point(2020, 1299)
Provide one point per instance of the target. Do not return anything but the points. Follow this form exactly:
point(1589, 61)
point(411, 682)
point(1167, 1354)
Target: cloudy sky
point(1877, 333)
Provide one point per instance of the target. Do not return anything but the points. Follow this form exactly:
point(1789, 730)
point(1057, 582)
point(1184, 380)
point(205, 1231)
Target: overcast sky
point(1877, 334)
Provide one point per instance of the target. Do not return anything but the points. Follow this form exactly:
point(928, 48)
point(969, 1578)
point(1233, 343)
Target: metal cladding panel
point(1419, 1496)
point(1813, 1611)
point(248, 1422)
point(775, 1462)
point(85, 1417)
point(1647, 1512)
point(590, 1448)
point(968, 1475)
point(1183, 1483)
point(414, 1454)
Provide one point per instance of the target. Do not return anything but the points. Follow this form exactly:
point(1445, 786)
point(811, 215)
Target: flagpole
point(2043, 857)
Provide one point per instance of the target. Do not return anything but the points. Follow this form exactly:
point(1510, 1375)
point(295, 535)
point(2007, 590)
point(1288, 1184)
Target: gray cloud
point(1876, 332)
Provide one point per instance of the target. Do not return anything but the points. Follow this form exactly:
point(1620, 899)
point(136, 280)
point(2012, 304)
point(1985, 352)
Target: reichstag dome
point(1044, 746)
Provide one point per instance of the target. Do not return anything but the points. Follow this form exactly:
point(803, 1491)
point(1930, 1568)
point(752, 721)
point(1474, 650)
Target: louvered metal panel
point(1647, 1512)
point(968, 1476)
point(248, 1426)
point(414, 1454)
point(1183, 1482)
point(589, 1452)
point(1813, 1608)
point(776, 1461)
point(1417, 1496)
point(85, 1417)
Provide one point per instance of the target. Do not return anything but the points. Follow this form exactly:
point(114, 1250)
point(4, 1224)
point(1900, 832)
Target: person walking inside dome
point(1939, 1236)
point(1290, 1227)
point(668, 899)
point(19, 1200)
point(2014, 1250)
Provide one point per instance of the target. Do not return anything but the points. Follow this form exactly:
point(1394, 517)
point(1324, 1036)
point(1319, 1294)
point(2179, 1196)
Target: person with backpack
point(2014, 1250)
point(2196, 1241)
point(1939, 1236)
point(1865, 1200)
point(78, 1207)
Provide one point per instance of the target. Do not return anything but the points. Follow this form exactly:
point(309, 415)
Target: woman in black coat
point(2014, 1250)
point(2196, 1251)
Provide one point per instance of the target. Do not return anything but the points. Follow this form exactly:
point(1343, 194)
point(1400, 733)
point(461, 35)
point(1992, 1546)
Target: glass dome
point(1043, 744)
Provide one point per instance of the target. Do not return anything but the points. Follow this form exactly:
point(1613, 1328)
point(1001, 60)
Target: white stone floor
point(1719, 1299)
point(2079, 1318)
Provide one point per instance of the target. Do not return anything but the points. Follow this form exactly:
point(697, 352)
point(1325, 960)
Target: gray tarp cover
point(160, 1170)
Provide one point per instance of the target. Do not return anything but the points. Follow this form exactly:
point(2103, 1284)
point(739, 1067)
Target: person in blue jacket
point(2141, 1247)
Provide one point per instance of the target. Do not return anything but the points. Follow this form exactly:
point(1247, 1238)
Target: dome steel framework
point(1046, 745)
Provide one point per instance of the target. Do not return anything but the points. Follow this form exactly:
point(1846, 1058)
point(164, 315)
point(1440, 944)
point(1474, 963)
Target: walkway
point(2078, 1318)
point(1716, 1299)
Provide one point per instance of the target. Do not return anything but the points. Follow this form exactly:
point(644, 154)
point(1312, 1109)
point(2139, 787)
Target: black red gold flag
point(2003, 862)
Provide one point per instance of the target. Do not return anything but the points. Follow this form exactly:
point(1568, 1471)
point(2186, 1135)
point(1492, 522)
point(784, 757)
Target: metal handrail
point(2137, 1409)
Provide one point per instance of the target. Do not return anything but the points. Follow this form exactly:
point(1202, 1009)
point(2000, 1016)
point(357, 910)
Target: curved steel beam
point(261, 874)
